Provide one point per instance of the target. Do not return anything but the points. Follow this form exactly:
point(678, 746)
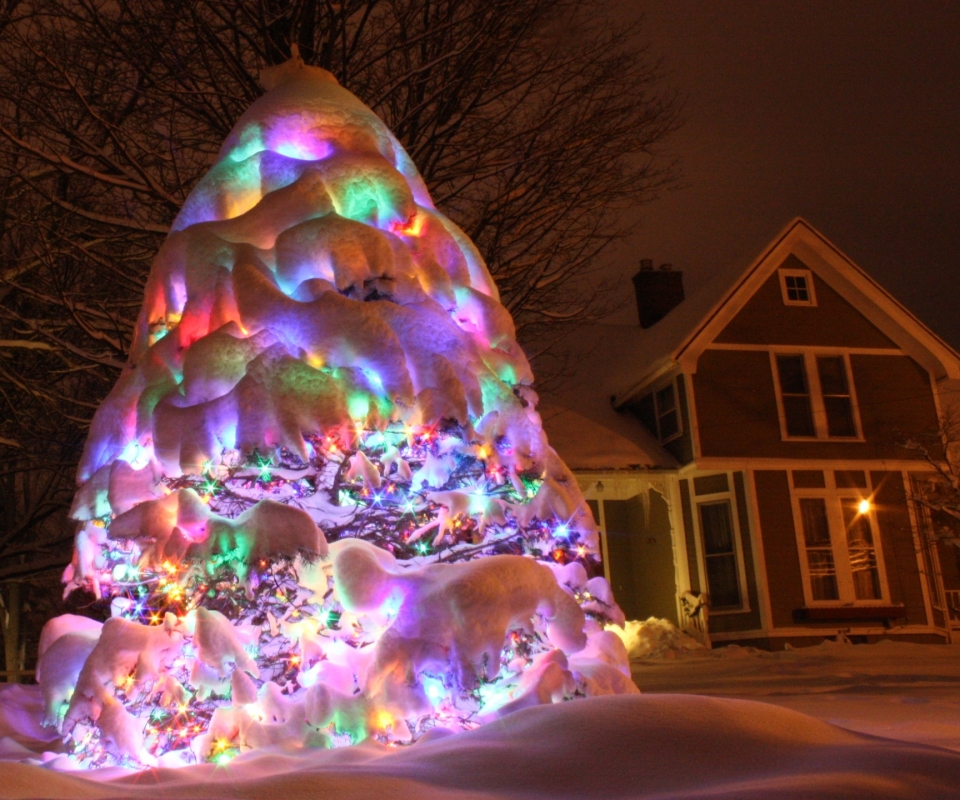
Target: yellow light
point(384, 720)
point(864, 506)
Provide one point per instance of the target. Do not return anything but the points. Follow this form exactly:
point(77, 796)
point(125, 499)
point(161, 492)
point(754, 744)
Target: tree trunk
point(11, 632)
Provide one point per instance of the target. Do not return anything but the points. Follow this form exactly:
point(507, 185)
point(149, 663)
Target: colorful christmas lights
point(320, 501)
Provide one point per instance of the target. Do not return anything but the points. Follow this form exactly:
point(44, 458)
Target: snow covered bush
point(319, 499)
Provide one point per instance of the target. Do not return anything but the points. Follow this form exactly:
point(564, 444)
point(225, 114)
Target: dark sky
point(844, 112)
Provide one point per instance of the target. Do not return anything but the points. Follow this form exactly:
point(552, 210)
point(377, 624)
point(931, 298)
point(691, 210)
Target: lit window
point(862, 550)
point(839, 552)
point(822, 571)
point(796, 286)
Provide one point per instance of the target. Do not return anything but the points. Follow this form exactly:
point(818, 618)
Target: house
point(743, 453)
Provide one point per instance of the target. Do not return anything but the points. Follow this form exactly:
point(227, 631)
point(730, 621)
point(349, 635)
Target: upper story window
point(815, 396)
point(796, 286)
point(659, 411)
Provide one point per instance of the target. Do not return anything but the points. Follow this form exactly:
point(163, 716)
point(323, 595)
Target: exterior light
point(864, 506)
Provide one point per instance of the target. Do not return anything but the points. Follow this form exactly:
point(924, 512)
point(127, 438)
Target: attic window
point(796, 286)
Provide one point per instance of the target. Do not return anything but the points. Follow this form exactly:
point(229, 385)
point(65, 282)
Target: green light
point(332, 618)
point(422, 548)
point(358, 406)
point(263, 464)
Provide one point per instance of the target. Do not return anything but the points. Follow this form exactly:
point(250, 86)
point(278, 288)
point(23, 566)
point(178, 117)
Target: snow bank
point(642, 746)
point(655, 638)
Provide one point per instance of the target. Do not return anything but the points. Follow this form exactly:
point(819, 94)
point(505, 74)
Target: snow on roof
point(578, 416)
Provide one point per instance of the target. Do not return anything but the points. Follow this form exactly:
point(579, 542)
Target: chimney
point(658, 291)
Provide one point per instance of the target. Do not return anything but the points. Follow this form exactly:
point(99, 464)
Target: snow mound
point(641, 746)
point(655, 638)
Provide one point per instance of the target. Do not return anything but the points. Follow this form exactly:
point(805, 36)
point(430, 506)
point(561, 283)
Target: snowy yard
point(901, 691)
point(664, 743)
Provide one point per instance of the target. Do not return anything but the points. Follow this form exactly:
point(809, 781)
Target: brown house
point(766, 497)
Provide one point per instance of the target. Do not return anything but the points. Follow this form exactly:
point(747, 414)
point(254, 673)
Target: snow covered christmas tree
point(319, 498)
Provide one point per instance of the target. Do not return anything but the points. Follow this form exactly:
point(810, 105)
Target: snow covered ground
point(909, 692)
point(657, 745)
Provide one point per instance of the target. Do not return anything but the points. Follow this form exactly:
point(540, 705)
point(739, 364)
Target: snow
point(905, 691)
point(633, 746)
point(655, 638)
point(321, 356)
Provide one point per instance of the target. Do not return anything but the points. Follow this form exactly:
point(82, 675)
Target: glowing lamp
point(864, 506)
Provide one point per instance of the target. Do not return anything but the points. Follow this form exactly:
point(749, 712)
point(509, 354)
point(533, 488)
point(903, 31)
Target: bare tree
point(937, 492)
point(535, 123)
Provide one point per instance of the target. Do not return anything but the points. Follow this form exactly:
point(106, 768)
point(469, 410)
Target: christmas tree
point(319, 501)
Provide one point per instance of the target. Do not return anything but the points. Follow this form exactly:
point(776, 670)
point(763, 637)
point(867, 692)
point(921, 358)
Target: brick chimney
point(659, 291)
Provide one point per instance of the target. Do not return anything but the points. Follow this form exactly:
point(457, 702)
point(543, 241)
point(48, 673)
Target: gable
point(832, 322)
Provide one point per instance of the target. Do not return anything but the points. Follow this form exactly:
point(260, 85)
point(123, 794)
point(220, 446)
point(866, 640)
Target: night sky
point(845, 113)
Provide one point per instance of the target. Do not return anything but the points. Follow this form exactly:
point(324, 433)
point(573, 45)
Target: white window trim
point(797, 273)
point(816, 395)
point(833, 496)
point(705, 499)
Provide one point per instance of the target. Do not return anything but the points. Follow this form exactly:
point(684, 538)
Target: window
point(816, 396)
point(720, 555)
point(861, 549)
point(839, 553)
point(719, 543)
point(668, 417)
point(795, 396)
point(837, 405)
point(796, 287)
point(816, 534)
point(660, 413)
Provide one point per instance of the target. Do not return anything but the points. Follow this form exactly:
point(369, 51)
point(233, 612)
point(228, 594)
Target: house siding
point(832, 322)
point(737, 408)
point(782, 561)
point(895, 399)
point(899, 549)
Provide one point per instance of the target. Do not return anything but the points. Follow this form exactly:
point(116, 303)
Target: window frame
point(817, 405)
point(653, 392)
point(807, 275)
point(714, 498)
point(833, 497)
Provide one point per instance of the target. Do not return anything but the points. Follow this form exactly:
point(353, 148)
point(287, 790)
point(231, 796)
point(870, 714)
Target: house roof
point(611, 364)
point(578, 416)
point(680, 337)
